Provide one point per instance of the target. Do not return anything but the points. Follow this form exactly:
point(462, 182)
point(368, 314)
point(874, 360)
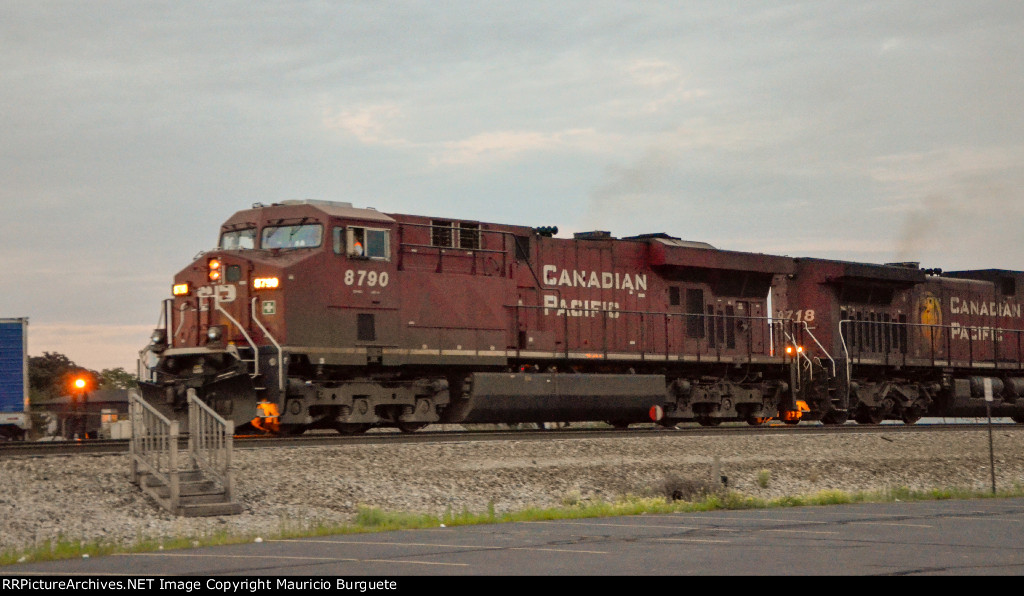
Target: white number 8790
point(366, 278)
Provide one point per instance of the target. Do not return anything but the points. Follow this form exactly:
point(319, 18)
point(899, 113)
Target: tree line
point(53, 374)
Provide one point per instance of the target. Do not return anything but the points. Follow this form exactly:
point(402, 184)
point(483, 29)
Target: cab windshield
point(238, 239)
point(297, 236)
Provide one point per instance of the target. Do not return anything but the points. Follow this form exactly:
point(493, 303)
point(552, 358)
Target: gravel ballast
point(90, 499)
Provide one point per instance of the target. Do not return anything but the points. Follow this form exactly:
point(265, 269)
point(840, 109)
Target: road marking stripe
point(467, 546)
point(638, 526)
point(798, 531)
point(891, 524)
point(281, 557)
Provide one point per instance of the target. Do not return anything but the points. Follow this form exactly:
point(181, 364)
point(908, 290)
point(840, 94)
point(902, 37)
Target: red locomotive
point(317, 314)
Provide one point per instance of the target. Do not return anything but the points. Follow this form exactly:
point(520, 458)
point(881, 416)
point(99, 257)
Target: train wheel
point(708, 421)
point(351, 428)
point(11, 434)
point(868, 416)
point(835, 417)
point(291, 430)
point(756, 421)
point(911, 415)
point(792, 422)
point(619, 424)
point(1018, 419)
point(410, 427)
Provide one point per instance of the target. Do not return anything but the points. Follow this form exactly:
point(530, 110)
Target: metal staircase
point(194, 482)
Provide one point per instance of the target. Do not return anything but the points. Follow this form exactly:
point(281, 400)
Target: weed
point(763, 476)
point(675, 488)
point(573, 499)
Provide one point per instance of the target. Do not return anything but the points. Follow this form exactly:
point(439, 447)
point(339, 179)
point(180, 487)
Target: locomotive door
point(529, 329)
point(686, 324)
point(752, 332)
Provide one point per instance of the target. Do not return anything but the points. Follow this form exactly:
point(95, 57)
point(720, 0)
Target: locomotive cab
point(226, 332)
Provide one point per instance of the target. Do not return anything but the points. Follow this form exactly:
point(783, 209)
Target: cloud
point(661, 83)
point(371, 125)
point(92, 346)
point(506, 145)
point(376, 125)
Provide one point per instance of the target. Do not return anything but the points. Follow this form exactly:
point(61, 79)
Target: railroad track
point(330, 438)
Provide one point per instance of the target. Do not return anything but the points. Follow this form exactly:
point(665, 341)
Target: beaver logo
point(929, 310)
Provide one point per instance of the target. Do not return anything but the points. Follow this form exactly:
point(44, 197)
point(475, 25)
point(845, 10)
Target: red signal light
point(80, 382)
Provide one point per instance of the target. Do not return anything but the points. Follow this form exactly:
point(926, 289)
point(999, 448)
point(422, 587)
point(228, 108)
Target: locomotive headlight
point(213, 269)
point(266, 283)
point(179, 289)
point(214, 333)
point(159, 339)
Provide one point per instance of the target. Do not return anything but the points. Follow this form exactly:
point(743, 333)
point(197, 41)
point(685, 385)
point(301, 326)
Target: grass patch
point(763, 477)
point(673, 496)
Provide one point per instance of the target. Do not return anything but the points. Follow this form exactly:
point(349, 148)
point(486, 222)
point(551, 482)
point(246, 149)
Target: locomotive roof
point(983, 273)
point(698, 255)
point(851, 271)
point(300, 208)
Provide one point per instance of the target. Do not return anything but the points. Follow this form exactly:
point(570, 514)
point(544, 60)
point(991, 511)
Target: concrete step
point(198, 497)
point(186, 489)
point(187, 476)
point(209, 509)
point(217, 497)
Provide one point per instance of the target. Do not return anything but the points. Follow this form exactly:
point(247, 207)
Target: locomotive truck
point(317, 314)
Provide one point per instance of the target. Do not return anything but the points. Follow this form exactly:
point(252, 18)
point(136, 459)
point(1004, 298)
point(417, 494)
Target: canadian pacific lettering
point(593, 306)
point(605, 280)
point(580, 308)
point(958, 331)
point(975, 307)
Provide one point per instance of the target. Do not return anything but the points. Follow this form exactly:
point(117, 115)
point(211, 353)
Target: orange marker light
point(213, 269)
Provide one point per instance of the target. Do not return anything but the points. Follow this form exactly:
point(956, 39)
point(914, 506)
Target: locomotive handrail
point(441, 249)
point(799, 354)
point(153, 448)
point(163, 322)
point(455, 248)
point(252, 344)
point(934, 330)
point(210, 442)
point(821, 347)
point(181, 322)
point(768, 322)
point(280, 351)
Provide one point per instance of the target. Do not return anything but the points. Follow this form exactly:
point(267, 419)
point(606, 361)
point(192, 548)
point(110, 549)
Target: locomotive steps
point(198, 496)
point(195, 483)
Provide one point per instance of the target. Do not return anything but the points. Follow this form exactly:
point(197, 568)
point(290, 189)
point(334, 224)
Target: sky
point(873, 131)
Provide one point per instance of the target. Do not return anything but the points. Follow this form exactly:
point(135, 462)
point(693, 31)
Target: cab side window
point(363, 243)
